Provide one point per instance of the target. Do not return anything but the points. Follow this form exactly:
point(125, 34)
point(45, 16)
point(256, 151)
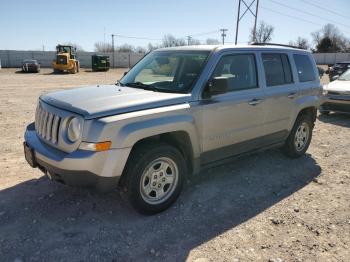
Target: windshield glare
point(172, 71)
point(345, 76)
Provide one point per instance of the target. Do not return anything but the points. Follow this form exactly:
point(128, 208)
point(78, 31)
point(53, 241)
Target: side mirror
point(125, 73)
point(216, 86)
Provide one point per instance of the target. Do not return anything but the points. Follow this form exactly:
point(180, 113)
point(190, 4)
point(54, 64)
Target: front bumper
point(337, 103)
point(101, 170)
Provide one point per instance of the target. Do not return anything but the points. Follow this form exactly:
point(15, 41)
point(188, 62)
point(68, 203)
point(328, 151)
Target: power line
point(206, 33)
point(324, 9)
point(294, 17)
point(137, 37)
point(308, 13)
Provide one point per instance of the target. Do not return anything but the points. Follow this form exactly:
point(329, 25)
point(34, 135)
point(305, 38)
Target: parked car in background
point(337, 69)
point(153, 128)
point(30, 66)
point(320, 71)
point(337, 95)
point(100, 63)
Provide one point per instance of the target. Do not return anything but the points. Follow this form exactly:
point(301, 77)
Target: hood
point(338, 86)
point(103, 100)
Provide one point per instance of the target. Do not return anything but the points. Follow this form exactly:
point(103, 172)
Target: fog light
point(101, 146)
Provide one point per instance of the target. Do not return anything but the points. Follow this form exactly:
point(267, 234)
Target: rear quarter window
point(304, 68)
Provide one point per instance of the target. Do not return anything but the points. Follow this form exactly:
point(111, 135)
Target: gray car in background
point(175, 112)
point(30, 66)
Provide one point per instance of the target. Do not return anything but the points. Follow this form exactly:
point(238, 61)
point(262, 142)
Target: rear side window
point(304, 68)
point(277, 69)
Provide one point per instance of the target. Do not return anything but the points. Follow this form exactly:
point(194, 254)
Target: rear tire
point(299, 138)
point(154, 176)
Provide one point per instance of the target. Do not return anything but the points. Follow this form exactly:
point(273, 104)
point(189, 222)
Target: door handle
point(292, 95)
point(255, 102)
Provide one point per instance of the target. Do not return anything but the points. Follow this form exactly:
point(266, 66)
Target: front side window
point(240, 71)
point(167, 71)
point(277, 69)
point(304, 68)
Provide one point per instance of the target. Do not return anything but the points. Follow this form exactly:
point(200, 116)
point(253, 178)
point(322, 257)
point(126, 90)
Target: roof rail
point(273, 44)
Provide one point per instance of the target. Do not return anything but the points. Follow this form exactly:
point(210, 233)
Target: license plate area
point(29, 155)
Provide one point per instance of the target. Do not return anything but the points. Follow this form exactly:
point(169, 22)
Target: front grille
point(47, 125)
point(62, 59)
point(334, 93)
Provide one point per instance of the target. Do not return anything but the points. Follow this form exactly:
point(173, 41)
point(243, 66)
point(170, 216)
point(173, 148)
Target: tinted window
point(277, 69)
point(240, 71)
point(304, 68)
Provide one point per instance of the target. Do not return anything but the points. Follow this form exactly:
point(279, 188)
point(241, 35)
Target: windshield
point(345, 76)
point(167, 71)
point(29, 61)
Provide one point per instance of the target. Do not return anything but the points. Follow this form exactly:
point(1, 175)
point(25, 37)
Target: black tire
point(56, 71)
point(290, 148)
point(140, 158)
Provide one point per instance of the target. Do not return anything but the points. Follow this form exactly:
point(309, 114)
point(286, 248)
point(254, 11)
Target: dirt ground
point(263, 207)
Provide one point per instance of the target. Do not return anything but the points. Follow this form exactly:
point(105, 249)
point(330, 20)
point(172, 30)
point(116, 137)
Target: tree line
point(328, 39)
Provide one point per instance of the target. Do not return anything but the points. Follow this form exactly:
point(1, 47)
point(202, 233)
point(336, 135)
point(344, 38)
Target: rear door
point(281, 92)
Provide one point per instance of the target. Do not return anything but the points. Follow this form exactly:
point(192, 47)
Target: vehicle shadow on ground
point(24, 73)
point(340, 119)
point(42, 220)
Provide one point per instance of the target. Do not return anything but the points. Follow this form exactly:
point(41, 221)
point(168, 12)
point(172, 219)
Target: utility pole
point(113, 50)
point(256, 18)
point(223, 34)
point(248, 8)
point(189, 38)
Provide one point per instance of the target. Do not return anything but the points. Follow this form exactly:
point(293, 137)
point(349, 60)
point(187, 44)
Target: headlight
point(74, 129)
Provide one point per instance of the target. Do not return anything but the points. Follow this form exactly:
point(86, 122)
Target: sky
point(41, 24)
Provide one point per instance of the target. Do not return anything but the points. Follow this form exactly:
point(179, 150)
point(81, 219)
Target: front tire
point(155, 175)
point(299, 138)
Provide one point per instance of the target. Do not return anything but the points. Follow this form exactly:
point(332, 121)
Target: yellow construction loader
point(66, 60)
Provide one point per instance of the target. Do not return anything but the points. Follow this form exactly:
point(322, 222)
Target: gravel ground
point(263, 207)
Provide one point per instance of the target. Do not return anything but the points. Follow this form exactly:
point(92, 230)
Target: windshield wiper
point(142, 85)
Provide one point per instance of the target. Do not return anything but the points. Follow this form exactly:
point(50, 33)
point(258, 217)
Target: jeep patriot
point(176, 111)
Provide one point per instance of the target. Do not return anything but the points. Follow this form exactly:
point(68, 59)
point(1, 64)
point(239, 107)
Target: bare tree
point(195, 42)
point(263, 34)
point(212, 41)
point(170, 40)
point(140, 50)
point(103, 47)
point(151, 47)
point(301, 43)
point(330, 38)
point(126, 48)
point(77, 47)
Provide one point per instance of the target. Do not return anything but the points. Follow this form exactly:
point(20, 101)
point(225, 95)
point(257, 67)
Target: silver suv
point(176, 111)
